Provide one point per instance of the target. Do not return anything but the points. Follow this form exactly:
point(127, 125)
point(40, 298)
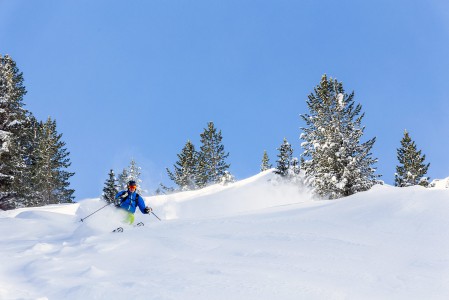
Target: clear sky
point(137, 79)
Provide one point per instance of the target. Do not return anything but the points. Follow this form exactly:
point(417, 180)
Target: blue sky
point(137, 79)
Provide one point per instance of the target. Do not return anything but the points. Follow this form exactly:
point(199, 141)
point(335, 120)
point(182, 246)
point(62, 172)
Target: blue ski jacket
point(130, 201)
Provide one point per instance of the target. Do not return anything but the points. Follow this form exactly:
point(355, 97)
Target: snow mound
point(255, 193)
point(440, 183)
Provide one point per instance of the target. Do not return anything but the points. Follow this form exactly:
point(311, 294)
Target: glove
point(148, 210)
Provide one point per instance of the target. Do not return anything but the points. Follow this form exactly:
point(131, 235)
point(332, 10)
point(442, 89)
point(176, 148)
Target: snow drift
point(258, 192)
point(249, 240)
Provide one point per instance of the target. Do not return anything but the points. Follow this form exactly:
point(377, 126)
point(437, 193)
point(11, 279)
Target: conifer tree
point(185, 173)
point(131, 173)
point(265, 165)
point(24, 155)
point(134, 174)
point(335, 162)
point(295, 167)
point(110, 188)
point(12, 118)
point(212, 158)
point(123, 179)
point(412, 168)
point(284, 159)
point(51, 178)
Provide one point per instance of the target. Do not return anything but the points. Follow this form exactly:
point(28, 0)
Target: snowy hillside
point(249, 240)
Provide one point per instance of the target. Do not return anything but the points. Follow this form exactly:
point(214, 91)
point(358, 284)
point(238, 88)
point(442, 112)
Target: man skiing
point(128, 201)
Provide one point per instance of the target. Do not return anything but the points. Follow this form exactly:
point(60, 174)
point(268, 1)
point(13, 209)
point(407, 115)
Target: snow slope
point(249, 240)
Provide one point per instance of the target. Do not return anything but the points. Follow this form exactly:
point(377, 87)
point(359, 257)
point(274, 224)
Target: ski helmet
point(132, 183)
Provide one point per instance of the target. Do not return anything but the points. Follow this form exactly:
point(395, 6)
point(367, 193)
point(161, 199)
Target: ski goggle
point(132, 187)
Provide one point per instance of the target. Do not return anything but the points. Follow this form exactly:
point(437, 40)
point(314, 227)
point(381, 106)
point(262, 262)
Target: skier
point(128, 201)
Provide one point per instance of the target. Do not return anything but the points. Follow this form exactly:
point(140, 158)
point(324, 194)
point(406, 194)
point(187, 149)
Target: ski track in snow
point(249, 240)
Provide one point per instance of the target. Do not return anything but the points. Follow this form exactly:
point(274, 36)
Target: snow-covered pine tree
point(12, 117)
point(52, 179)
point(131, 173)
point(185, 173)
point(285, 156)
point(336, 164)
point(134, 174)
point(24, 155)
point(295, 167)
point(412, 168)
point(123, 179)
point(110, 188)
point(265, 165)
point(212, 158)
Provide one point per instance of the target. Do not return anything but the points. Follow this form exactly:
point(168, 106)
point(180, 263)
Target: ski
point(119, 229)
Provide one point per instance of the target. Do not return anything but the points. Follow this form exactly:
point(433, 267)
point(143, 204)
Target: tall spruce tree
point(185, 173)
point(412, 168)
point(24, 156)
point(52, 178)
point(335, 162)
point(265, 165)
point(12, 118)
point(110, 188)
point(285, 157)
point(212, 158)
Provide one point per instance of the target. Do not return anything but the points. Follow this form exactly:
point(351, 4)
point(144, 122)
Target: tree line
point(335, 162)
point(193, 170)
point(197, 169)
point(33, 157)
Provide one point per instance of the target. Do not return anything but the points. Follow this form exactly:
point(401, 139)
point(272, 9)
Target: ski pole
point(82, 219)
point(156, 216)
